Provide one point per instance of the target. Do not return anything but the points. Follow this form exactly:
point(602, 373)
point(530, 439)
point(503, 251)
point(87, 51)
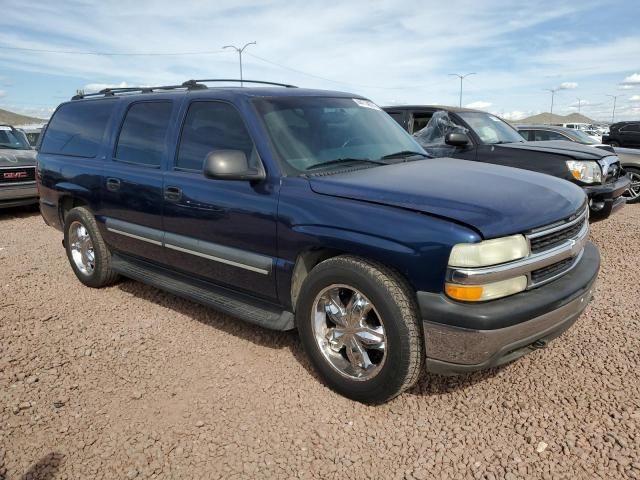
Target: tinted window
point(526, 134)
point(634, 127)
point(142, 137)
point(397, 116)
point(76, 129)
point(211, 126)
point(542, 135)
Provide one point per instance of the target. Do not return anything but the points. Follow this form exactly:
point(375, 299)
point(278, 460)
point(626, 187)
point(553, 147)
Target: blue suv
point(295, 208)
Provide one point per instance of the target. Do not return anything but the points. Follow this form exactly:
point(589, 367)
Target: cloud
point(635, 98)
point(2, 93)
point(96, 87)
point(480, 105)
point(633, 79)
point(568, 85)
point(515, 115)
point(625, 87)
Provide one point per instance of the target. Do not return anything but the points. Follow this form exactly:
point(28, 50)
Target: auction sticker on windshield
point(366, 103)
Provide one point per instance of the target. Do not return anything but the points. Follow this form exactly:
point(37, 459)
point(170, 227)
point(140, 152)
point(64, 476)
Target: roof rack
point(188, 85)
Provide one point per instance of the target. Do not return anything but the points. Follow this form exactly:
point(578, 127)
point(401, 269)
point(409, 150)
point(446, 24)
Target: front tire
point(88, 255)
point(633, 193)
point(358, 323)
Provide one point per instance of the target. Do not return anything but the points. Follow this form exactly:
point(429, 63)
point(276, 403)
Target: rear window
point(76, 129)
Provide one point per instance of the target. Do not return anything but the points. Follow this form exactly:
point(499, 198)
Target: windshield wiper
point(404, 153)
point(345, 160)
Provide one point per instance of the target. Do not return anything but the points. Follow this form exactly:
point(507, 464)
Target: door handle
point(172, 194)
point(113, 184)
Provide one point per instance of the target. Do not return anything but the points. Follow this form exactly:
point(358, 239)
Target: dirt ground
point(130, 382)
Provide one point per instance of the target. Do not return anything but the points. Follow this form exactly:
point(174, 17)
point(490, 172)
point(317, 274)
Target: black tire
point(635, 176)
point(613, 143)
point(102, 275)
point(395, 302)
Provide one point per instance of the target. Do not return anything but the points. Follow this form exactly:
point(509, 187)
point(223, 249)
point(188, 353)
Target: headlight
point(489, 252)
point(486, 254)
point(488, 291)
point(585, 171)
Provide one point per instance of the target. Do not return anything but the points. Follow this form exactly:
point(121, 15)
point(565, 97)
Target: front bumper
point(606, 199)
point(16, 195)
point(463, 337)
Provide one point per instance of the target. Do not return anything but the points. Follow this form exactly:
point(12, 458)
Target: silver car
point(17, 169)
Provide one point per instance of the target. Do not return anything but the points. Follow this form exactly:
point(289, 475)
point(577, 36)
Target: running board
point(220, 299)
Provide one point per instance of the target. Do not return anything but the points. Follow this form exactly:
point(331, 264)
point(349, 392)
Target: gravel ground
point(130, 382)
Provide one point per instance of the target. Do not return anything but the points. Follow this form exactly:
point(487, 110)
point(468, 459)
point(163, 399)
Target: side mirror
point(231, 165)
point(457, 139)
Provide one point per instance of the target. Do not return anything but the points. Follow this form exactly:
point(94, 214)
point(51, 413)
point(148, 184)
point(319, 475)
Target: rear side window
point(76, 129)
point(212, 126)
point(634, 127)
point(143, 133)
point(543, 135)
point(526, 134)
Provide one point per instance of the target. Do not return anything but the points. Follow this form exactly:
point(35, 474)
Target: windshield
point(490, 129)
point(313, 133)
point(14, 139)
point(584, 137)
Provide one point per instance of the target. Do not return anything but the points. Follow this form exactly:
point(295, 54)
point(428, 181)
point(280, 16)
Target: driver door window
point(211, 126)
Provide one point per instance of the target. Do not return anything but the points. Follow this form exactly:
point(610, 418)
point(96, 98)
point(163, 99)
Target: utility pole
point(579, 104)
point(613, 114)
point(462, 77)
point(553, 94)
point(240, 50)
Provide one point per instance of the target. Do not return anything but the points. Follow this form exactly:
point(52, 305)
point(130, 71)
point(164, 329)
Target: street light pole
point(579, 104)
point(553, 93)
point(462, 77)
point(613, 114)
point(240, 50)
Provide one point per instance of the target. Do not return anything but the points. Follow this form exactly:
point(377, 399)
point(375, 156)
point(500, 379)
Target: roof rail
point(188, 85)
point(235, 80)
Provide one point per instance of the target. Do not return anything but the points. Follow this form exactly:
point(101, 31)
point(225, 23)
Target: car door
point(223, 231)
point(132, 198)
point(631, 135)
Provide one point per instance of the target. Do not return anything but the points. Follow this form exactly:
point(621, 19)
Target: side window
point(526, 134)
point(76, 128)
point(398, 117)
point(542, 135)
point(420, 120)
point(212, 126)
point(143, 132)
point(634, 127)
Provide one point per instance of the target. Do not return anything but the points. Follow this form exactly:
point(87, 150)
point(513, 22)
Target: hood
point(17, 158)
point(573, 150)
point(494, 200)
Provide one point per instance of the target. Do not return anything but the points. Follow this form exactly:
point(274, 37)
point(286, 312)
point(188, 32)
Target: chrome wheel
point(81, 248)
point(634, 189)
point(349, 332)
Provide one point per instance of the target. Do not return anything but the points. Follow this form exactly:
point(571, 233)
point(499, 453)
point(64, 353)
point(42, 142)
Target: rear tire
point(613, 143)
point(633, 193)
point(358, 323)
point(88, 255)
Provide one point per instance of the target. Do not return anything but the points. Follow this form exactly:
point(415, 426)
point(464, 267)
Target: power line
point(110, 54)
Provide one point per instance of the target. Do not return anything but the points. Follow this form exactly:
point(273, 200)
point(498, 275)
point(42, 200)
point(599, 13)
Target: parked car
point(543, 133)
point(294, 208)
point(476, 135)
point(32, 133)
point(629, 158)
point(587, 128)
point(623, 134)
point(17, 169)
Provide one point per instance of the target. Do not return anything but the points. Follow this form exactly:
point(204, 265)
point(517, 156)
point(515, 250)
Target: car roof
point(546, 127)
point(432, 107)
point(228, 92)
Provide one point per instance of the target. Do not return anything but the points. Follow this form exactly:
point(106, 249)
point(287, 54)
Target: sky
point(393, 52)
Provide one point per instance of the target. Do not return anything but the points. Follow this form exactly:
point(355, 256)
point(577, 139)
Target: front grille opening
point(17, 175)
point(551, 271)
point(547, 242)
